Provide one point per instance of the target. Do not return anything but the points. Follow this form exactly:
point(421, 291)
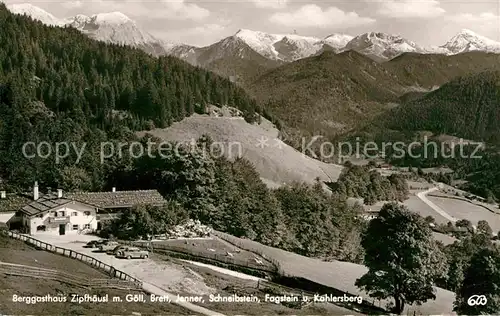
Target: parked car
point(95, 243)
point(108, 245)
point(115, 250)
point(132, 252)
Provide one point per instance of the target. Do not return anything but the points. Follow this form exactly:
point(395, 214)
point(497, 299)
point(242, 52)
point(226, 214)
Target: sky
point(203, 22)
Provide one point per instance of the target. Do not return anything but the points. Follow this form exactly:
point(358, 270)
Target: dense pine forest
point(58, 85)
point(466, 107)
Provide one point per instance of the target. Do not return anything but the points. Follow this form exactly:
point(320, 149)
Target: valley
point(242, 196)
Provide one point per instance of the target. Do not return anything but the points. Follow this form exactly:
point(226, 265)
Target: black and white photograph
point(249, 157)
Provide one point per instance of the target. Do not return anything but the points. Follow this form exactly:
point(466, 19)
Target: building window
point(87, 213)
point(63, 214)
point(74, 214)
point(40, 228)
point(75, 227)
point(55, 214)
point(87, 226)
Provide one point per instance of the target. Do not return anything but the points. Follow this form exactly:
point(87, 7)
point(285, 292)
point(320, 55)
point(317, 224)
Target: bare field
point(211, 247)
point(341, 275)
point(450, 192)
point(465, 210)
point(418, 206)
point(445, 239)
point(227, 284)
point(276, 162)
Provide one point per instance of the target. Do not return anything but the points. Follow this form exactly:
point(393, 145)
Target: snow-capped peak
point(35, 13)
point(112, 27)
point(79, 21)
point(113, 18)
point(289, 47)
point(382, 46)
point(101, 19)
point(468, 32)
point(338, 40)
point(467, 40)
point(117, 28)
point(261, 42)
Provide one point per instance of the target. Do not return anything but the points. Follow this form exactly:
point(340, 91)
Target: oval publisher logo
point(477, 300)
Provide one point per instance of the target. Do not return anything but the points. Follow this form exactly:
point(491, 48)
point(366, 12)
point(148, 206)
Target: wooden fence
point(64, 277)
point(251, 263)
point(79, 256)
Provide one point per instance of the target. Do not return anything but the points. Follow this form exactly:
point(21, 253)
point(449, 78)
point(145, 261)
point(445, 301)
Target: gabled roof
point(101, 200)
point(44, 204)
point(118, 199)
point(13, 202)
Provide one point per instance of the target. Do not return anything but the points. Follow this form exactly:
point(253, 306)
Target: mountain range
point(334, 92)
point(115, 27)
point(310, 85)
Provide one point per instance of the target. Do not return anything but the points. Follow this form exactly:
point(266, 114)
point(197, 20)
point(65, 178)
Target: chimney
point(59, 193)
point(35, 191)
point(113, 189)
point(3, 194)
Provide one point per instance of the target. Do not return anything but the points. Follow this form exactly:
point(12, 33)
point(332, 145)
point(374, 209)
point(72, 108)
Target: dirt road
point(440, 211)
point(160, 278)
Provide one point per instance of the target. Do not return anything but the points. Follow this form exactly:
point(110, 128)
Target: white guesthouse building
point(71, 213)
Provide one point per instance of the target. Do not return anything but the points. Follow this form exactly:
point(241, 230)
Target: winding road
point(423, 196)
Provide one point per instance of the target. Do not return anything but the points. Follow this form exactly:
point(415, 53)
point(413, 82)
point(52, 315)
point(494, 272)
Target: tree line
point(367, 183)
point(405, 264)
point(230, 197)
point(58, 85)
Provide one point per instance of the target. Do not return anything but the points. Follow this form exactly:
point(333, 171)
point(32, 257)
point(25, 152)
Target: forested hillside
point(325, 94)
point(467, 107)
point(59, 85)
point(333, 93)
point(241, 71)
point(429, 70)
point(230, 197)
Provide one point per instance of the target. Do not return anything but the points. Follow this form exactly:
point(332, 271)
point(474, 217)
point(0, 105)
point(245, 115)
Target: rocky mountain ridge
point(115, 27)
